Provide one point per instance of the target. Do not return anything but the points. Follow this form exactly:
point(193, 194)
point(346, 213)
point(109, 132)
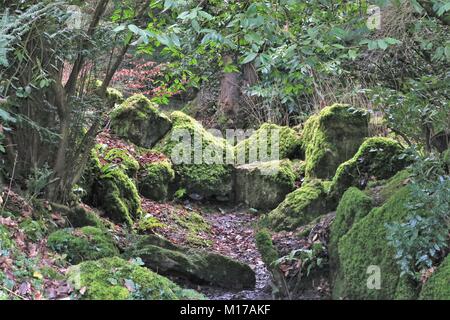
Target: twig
point(13, 293)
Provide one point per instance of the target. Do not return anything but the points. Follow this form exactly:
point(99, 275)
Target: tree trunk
point(229, 95)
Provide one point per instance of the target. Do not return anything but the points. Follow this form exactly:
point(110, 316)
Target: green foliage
point(420, 241)
point(38, 181)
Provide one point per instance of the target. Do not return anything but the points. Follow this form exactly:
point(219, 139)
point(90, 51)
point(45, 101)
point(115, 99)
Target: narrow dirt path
point(233, 235)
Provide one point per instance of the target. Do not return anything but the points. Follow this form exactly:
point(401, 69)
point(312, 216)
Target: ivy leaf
point(249, 58)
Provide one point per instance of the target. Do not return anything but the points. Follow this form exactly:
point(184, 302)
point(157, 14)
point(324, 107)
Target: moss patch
point(300, 207)
point(118, 279)
point(140, 121)
point(366, 245)
point(353, 206)
point(438, 286)
point(332, 137)
point(87, 243)
point(123, 160)
point(266, 247)
point(377, 158)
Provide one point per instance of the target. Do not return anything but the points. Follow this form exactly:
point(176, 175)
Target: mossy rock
point(332, 137)
point(118, 279)
point(266, 247)
point(87, 243)
point(264, 185)
point(118, 196)
point(366, 245)
point(123, 160)
point(381, 190)
point(300, 207)
point(113, 95)
point(258, 147)
point(377, 158)
point(195, 265)
point(78, 216)
point(353, 206)
point(139, 121)
point(438, 286)
point(154, 180)
point(203, 170)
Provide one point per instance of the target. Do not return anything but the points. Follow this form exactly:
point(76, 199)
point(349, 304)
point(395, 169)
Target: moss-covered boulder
point(264, 185)
point(438, 286)
point(108, 187)
point(366, 245)
point(377, 159)
point(154, 180)
point(87, 243)
point(353, 206)
point(78, 216)
point(197, 266)
point(284, 140)
point(332, 137)
point(200, 159)
point(118, 279)
point(122, 159)
point(139, 121)
point(116, 194)
point(300, 207)
point(113, 95)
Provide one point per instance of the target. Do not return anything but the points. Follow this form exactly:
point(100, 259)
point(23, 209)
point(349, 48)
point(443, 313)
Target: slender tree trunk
point(229, 95)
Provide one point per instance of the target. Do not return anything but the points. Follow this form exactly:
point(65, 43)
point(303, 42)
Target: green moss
point(383, 189)
point(199, 177)
point(154, 180)
point(406, 289)
point(140, 121)
point(117, 195)
point(300, 207)
point(266, 248)
point(377, 158)
point(6, 241)
point(87, 243)
point(118, 279)
point(353, 206)
point(34, 229)
point(194, 224)
point(123, 160)
point(289, 143)
point(438, 286)
point(113, 95)
point(199, 266)
point(366, 245)
point(332, 137)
